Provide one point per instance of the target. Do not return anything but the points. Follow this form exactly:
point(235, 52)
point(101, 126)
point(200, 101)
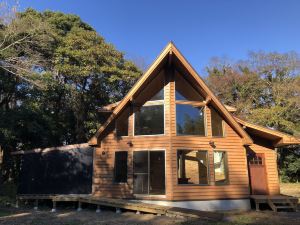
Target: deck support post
point(257, 206)
point(79, 207)
point(118, 210)
point(98, 210)
point(17, 203)
point(36, 205)
point(54, 206)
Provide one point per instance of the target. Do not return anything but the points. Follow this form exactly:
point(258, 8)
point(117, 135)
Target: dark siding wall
point(57, 172)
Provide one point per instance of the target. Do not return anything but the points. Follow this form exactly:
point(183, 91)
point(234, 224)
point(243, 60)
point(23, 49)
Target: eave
point(278, 138)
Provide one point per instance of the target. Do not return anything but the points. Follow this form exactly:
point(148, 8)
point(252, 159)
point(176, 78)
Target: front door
point(257, 171)
point(149, 172)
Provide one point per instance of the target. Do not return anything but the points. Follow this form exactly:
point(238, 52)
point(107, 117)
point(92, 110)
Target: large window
point(216, 124)
point(189, 108)
point(149, 118)
point(189, 120)
point(220, 167)
point(120, 167)
point(192, 167)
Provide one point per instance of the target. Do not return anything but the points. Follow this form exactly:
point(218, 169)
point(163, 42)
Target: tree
point(55, 72)
point(265, 89)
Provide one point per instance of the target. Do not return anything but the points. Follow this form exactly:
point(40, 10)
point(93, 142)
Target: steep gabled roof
point(172, 54)
point(278, 138)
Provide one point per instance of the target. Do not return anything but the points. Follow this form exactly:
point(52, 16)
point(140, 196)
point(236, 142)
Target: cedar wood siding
point(237, 188)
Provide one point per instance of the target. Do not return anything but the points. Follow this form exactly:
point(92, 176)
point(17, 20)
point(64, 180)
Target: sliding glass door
point(149, 172)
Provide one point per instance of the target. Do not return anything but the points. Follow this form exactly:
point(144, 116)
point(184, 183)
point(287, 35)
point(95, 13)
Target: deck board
point(127, 204)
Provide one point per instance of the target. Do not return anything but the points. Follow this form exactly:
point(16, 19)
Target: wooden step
point(288, 204)
point(284, 207)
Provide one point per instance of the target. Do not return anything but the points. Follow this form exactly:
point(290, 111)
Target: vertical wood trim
point(171, 99)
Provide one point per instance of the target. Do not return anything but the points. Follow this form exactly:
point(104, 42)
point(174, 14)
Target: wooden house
point(171, 141)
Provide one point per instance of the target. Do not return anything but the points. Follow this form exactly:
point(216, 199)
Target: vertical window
point(149, 118)
point(220, 167)
point(120, 167)
point(190, 117)
point(216, 124)
point(192, 167)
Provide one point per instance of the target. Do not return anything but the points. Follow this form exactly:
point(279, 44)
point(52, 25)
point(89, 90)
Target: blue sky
point(200, 29)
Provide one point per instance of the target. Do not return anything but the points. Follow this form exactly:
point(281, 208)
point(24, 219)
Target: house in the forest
point(171, 141)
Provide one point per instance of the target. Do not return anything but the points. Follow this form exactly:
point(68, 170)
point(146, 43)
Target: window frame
point(132, 164)
point(208, 167)
point(226, 168)
point(211, 127)
point(114, 178)
point(204, 119)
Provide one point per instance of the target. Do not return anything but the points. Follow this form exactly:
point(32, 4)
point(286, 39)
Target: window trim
point(226, 168)
point(114, 178)
point(149, 150)
point(208, 167)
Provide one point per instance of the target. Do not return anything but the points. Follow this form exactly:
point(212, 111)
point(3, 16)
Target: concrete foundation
point(211, 205)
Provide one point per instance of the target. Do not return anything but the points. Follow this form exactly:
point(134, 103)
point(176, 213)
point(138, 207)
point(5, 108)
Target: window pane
point(149, 120)
point(122, 124)
point(220, 166)
point(184, 90)
point(192, 167)
point(120, 167)
point(216, 124)
point(158, 96)
point(189, 120)
point(141, 172)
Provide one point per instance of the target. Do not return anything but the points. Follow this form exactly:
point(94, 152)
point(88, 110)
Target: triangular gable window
point(158, 96)
point(185, 91)
point(179, 96)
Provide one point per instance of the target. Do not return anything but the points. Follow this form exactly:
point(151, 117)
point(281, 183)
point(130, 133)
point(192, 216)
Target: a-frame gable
point(172, 55)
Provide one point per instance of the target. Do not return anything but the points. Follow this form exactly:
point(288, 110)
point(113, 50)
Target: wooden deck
point(119, 204)
point(276, 202)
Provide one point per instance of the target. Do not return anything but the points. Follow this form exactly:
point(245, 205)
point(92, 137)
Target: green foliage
point(265, 89)
point(55, 72)
point(289, 162)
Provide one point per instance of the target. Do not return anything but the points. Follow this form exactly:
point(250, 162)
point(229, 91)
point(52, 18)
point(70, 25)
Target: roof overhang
point(278, 138)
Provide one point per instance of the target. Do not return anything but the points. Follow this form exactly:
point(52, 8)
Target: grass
point(292, 189)
point(4, 213)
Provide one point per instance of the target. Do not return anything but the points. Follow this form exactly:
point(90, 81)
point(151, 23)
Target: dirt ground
point(69, 216)
point(10, 216)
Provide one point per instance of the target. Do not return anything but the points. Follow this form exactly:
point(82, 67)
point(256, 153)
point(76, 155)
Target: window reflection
point(189, 120)
point(220, 165)
point(149, 120)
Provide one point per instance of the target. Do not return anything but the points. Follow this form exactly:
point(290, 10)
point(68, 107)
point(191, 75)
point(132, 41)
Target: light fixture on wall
point(212, 144)
point(130, 143)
